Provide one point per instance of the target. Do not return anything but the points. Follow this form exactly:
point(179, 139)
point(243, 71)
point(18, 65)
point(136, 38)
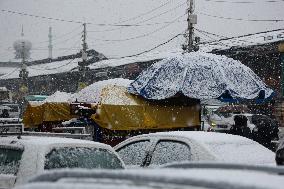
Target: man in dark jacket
point(240, 127)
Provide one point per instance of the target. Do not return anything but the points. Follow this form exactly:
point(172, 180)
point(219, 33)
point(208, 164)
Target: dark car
point(265, 131)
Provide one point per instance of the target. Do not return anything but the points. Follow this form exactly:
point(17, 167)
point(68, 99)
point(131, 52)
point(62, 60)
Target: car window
point(81, 157)
point(10, 160)
point(134, 153)
point(167, 151)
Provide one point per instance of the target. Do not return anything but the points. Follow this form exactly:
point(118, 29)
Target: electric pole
point(83, 65)
point(23, 72)
point(191, 20)
point(50, 43)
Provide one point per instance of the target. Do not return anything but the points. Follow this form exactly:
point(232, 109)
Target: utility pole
point(83, 65)
point(191, 20)
point(50, 43)
point(23, 72)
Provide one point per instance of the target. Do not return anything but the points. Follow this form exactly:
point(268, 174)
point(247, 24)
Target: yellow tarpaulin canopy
point(36, 114)
point(120, 110)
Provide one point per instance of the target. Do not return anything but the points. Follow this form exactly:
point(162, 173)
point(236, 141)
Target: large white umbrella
point(201, 76)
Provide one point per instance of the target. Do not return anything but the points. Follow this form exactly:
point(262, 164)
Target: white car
point(166, 147)
point(221, 123)
point(21, 158)
point(195, 176)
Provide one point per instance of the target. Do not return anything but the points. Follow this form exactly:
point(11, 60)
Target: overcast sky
point(152, 29)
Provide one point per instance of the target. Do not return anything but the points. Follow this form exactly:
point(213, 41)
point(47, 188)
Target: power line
point(146, 51)
point(221, 36)
point(80, 22)
point(60, 36)
point(143, 14)
point(144, 35)
point(165, 12)
point(62, 41)
point(137, 24)
point(43, 17)
point(8, 74)
point(246, 35)
point(242, 19)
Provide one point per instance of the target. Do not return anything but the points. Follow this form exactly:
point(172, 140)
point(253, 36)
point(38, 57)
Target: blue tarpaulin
point(201, 76)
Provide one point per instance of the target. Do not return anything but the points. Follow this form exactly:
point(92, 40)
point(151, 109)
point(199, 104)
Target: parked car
point(165, 147)
point(223, 122)
point(196, 176)
point(25, 156)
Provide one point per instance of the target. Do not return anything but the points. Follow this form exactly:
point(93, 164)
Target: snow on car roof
point(47, 141)
point(206, 137)
point(206, 177)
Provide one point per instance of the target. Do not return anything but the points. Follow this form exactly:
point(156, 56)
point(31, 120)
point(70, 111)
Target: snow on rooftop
point(59, 97)
point(92, 93)
point(156, 55)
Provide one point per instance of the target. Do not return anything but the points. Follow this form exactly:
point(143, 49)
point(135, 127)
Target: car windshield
point(82, 157)
point(10, 160)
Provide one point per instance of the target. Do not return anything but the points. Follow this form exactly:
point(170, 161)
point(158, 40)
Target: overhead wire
point(143, 21)
point(80, 22)
point(60, 36)
point(241, 19)
point(246, 35)
point(221, 36)
point(8, 74)
point(143, 35)
point(145, 13)
point(146, 51)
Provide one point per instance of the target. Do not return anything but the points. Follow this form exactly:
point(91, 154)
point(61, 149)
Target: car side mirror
point(279, 158)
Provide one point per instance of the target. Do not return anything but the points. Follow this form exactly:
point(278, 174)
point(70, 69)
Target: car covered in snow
point(160, 148)
point(194, 176)
point(25, 156)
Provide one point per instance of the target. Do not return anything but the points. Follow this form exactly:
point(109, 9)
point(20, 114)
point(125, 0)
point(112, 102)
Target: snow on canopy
point(117, 95)
point(92, 93)
point(59, 97)
point(199, 75)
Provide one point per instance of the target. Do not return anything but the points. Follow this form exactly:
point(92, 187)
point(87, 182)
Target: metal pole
point(83, 64)
point(50, 43)
point(190, 26)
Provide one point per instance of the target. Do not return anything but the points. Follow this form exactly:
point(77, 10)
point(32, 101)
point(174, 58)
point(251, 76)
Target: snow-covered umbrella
point(201, 76)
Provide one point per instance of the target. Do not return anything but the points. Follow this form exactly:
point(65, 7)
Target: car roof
point(44, 141)
point(198, 176)
point(201, 136)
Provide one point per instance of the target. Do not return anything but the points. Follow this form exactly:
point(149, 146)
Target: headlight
point(213, 124)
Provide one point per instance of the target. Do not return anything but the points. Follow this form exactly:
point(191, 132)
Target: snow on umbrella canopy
point(200, 76)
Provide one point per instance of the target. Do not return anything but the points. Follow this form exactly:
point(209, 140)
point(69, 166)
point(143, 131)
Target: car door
point(169, 151)
point(135, 152)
